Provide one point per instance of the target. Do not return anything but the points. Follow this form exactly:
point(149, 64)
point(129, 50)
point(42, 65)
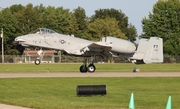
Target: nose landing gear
point(38, 60)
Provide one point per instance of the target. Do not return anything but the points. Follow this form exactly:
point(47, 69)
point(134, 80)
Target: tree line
point(163, 22)
point(18, 20)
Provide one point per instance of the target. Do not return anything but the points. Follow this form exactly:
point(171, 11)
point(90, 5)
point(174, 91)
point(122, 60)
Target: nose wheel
point(37, 61)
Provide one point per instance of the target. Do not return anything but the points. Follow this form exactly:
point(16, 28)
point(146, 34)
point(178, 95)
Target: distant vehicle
point(148, 51)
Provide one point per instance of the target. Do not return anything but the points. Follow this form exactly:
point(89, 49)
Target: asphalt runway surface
point(68, 74)
point(96, 74)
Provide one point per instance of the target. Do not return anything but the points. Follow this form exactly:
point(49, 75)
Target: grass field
point(43, 68)
point(60, 93)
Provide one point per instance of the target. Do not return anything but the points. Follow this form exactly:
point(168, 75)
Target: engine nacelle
point(119, 45)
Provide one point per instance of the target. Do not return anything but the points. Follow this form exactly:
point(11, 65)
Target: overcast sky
point(136, 10)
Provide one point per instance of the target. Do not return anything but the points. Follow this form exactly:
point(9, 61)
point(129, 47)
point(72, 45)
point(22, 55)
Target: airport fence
point(73, 59)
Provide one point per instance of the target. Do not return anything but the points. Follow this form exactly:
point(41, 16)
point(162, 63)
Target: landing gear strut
point(91, 68)
point(38, 59)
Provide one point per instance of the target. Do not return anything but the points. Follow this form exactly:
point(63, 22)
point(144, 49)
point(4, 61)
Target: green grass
point(127, 67)
point(60, 93)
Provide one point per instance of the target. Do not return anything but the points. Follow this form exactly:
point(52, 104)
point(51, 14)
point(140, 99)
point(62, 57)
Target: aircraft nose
point(19, 39)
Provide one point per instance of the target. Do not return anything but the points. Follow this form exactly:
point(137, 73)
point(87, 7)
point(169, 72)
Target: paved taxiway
point(97, 74)
point(4, 106)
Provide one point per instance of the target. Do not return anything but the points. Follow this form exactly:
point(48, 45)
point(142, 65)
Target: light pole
point(2, 46)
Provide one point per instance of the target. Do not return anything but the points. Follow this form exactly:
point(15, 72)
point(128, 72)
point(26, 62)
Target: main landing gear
point(90, 68)
point(38, 59)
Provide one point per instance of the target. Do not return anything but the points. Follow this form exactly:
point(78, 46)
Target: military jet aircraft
point(148, 51)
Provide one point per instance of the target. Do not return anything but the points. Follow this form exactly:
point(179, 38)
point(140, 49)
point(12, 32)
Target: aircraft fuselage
point(148, 51)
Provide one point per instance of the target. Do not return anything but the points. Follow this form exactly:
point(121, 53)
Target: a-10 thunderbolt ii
point(148, 51)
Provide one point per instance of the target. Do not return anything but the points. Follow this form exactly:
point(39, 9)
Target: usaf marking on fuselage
point(148, 51)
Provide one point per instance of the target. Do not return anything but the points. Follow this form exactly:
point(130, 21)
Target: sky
point(135, 10)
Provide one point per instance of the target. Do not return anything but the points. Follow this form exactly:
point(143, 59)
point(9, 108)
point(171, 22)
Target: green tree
point(16, 8)
point(40, 9)
point(19, 20)
point(73, 26)
point(164, 22)
point(57, 19)
point(79, 23)
point(128, 29)
point(105, 27)
point(131, 32)
point(8, 22)
point(28, 19)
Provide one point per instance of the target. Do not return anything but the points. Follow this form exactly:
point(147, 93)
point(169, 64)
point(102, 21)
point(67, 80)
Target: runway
point(96, 74)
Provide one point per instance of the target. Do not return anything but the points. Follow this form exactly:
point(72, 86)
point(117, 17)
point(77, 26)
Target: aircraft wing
point(103, 49)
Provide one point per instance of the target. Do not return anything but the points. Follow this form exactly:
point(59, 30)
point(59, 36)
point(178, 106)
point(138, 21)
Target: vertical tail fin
point(152, 49)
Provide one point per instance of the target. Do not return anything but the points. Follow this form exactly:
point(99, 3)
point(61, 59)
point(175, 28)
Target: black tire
point(91, 68)
point(37, 61)
point(83, 69)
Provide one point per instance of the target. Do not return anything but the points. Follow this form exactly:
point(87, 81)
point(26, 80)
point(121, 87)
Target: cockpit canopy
point(43, 31)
